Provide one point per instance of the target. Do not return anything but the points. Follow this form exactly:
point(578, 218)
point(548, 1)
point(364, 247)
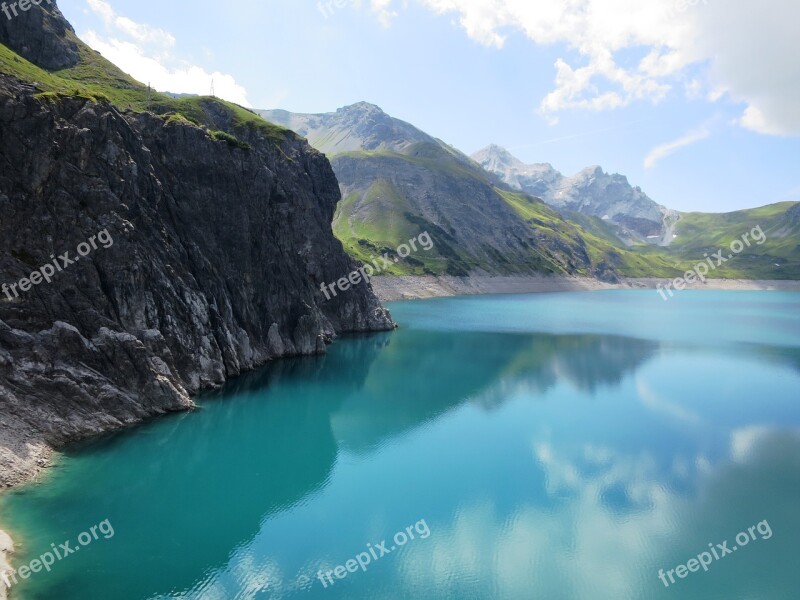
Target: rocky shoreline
point(391, 289)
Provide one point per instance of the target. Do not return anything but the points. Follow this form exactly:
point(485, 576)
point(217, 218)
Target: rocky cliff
point(193, 256)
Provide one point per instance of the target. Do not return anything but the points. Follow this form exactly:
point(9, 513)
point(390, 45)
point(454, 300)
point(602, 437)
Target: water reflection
point(582, 547)
point(552, 466)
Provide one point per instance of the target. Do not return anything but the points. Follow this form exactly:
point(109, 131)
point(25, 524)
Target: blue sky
point(693, 103)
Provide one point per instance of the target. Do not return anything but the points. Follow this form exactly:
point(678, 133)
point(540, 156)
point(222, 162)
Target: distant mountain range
point(492, 213)
point(633, 215)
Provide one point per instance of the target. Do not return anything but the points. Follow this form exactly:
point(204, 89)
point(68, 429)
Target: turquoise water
point(537, 447)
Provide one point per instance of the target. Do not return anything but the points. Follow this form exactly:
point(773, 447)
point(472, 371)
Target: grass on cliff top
point(95, 78)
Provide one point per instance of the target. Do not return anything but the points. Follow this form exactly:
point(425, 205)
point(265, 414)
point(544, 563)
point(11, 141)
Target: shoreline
point(6, 550)
point(38, 455)
point(412, 287)
point(24, 459)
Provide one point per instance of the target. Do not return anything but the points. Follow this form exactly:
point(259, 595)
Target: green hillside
point(606, 252)
point(390, 197)
point(378, 223)
point(98, 80)
point(777, 257)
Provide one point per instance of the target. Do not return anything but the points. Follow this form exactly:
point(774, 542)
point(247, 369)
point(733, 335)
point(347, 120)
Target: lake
point(603, 445)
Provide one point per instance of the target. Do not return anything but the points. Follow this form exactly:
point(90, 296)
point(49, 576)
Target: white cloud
point(653, 400)
point(756, 60)
point(139, 32)
point(664, 150)
point(144, 57)
point(748, 46)
point(383, 12)
point(188, 80)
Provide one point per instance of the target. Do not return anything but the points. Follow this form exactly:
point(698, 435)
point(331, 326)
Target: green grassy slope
point(97, 79)
point(605, 252)
point(699, 235)
point(379, 220)
point(700, 231)
point(777, 257)
point(396, 196)
point(377, 223)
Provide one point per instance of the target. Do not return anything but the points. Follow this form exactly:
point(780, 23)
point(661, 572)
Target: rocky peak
point(591, 191)
point(495, 157)
point(361, 109)
point(357, 127)
point(40, 34)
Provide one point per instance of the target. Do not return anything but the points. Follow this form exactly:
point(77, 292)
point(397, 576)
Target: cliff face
point(40, 35)
point(217, 258)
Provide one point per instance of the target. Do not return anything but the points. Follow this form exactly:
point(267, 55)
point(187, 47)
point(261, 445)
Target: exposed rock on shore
point(217, 258)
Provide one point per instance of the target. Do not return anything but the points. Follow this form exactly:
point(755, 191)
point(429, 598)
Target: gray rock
point(591, 192)
point(41, 34)
point(216, 265)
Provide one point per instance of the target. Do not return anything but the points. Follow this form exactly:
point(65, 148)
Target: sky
point(695, 101)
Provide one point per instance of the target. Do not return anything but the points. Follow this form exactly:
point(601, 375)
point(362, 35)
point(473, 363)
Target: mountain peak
point(591, 191)
point(358, 127)
point(496, 153)
point(592, 171)
point(362, 107)
point(494, 156)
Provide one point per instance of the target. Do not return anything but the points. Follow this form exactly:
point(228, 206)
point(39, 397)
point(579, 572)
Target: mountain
point(361, 126)
point(215, 240)
point(398, 181)
point(633, 215)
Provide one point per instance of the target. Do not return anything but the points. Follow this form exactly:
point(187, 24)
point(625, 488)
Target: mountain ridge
point(402, 184)
point(591, 192)
point(396, 180)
